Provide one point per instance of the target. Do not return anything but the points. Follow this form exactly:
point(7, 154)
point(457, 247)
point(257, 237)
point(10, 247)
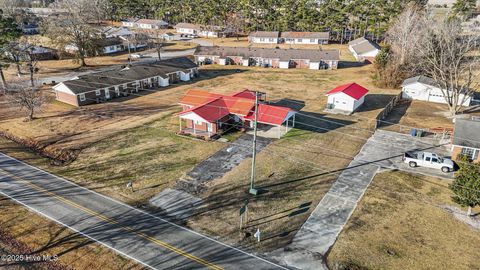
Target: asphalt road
point(145, 238)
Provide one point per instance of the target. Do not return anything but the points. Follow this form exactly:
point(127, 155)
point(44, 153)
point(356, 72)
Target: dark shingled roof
point(467, 133)
point(363, 45)
point(282, 54)
point(90, 82)
point(265, 34)
point(420, 79)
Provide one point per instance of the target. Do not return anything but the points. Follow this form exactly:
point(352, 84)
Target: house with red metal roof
point(208, 115)
point(346, 98)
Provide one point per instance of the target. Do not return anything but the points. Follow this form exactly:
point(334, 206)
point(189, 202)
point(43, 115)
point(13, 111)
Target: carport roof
point(272, 115)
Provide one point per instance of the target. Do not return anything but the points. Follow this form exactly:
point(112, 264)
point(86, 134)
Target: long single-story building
point(208, 114)
point(266, 57)
point(209, 31)
point(275, 37)
point(364, 49)
point(426, 89)
point(346, 97)
point(466, 139)
point(305, 37)
point(102, 86)
point(268, 37)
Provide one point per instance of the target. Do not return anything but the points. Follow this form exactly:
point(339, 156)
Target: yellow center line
point(114, 222)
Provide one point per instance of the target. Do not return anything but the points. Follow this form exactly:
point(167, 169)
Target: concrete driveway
point(318, 234)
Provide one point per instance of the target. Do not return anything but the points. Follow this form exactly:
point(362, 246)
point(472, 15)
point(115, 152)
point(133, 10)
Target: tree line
point(371, 16)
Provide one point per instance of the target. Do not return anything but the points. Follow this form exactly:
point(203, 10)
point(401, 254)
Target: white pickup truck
point(429, 160)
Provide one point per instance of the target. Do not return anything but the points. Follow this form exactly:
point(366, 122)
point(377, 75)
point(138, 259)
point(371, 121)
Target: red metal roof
point(211, 111)
point(269, 114)
point(354, 90)
point(212, 107)
point(245, 94)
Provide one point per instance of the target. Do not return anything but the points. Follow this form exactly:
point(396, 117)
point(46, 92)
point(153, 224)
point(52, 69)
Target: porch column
point(194, 131)
point(286, 126)
point(180, 122)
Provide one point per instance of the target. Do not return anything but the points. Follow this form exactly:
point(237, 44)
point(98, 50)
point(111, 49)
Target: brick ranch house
point(102, 86)
point(208, 115)
point(264, 57)
point(466, 139)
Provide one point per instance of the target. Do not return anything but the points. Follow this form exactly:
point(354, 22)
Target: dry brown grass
point(421, 114)
point(345, 54)
point(49, 238)
point(399, 224)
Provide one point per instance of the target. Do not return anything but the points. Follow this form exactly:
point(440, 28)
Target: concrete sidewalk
point(318, 234)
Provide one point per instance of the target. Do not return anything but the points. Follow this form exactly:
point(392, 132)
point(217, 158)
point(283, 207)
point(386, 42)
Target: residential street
point(150, 240)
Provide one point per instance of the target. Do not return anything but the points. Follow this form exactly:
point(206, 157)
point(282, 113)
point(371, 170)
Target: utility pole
point(253, 190)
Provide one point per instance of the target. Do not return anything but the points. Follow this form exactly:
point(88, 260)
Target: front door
point(107, 93)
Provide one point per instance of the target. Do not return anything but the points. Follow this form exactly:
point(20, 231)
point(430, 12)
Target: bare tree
point(28, 99)
point(73, 26)
point(451, 58)
point(404, 34)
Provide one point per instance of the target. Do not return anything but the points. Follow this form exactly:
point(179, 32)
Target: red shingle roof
point(353, 90)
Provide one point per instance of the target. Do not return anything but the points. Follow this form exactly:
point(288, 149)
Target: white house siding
point(209, 34)
point(128, 24)
point(163, 82)
point(186, 31)
point(222, 61)
point(184, 76)
point(358, 103)
point(112, 49)
point(420, 91)
point(314, 65)
point(264, 40)
point(344, 102)
point(245, 62)
point(284, 64)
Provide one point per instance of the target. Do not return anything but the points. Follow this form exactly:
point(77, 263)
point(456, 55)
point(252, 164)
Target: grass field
point(133, 140)
point(45, 237)
point(400, 224)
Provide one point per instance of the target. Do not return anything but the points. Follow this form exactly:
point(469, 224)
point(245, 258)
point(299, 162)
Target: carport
point(273, 121)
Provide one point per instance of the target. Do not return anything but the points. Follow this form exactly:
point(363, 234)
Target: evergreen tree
point(466, 185)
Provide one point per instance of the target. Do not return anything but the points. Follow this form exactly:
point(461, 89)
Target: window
point(299, 40)
point(82, 97)
point(262, 39)
point(470, 153)
point(312, 40)
point(197, 122)
point(270, 39)
point(98, 92)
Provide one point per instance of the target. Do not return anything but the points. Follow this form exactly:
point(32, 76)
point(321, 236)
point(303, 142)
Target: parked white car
point(429, 160)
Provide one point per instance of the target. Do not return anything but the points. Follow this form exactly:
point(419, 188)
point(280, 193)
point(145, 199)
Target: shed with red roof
point(347, 97)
